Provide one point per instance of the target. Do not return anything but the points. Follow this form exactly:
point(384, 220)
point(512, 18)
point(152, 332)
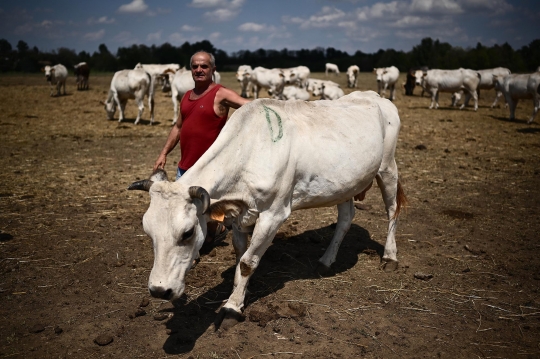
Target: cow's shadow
point(142, 122)
point(289, 258)
point(506, 119)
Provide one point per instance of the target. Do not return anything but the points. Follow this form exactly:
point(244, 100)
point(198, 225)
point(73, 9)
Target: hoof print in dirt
point(138, 313)
point(38, 328)
point(144, 302)
point(58, 330)
point(103, 340)
point(390, 266)
point(423, 276)
point(227, 318)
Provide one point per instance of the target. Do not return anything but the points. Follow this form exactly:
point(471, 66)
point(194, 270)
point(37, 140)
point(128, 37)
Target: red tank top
point(200, 126)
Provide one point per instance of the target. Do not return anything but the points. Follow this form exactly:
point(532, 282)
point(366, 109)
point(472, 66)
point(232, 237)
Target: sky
point(233, 25)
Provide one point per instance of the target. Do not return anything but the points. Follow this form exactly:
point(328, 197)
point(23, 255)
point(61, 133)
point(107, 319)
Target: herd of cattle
point(295, 84)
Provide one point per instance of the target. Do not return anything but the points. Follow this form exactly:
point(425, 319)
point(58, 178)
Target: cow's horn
point(202, 194)
point(143, 185)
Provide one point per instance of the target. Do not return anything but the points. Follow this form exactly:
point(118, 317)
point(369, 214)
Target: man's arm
point(172, 141)
point(230, 98)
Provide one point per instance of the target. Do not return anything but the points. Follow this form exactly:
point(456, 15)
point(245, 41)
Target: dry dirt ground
point(74, 260)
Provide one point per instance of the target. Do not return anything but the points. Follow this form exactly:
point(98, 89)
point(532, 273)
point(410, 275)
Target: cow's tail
point(401, 200)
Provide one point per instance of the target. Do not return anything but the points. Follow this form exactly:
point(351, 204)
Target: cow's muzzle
point(161, 293)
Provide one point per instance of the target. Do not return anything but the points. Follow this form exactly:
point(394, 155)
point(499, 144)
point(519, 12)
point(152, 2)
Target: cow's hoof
point(389, 265)
point(227, 318)
point(323, 270)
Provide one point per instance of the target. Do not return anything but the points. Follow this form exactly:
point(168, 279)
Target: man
point(203, 113)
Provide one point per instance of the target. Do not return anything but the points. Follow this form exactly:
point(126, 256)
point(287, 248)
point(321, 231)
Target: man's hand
point(160, 162)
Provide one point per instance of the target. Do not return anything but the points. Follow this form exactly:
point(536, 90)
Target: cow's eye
point(187, 235)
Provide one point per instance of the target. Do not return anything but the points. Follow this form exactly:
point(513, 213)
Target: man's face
point(201, 69)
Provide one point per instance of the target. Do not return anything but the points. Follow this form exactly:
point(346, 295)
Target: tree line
point(429, 52)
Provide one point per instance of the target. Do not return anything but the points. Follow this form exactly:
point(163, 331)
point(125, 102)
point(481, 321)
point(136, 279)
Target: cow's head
point(497, 82)
point(167, 78)
point(110, 108)
point(176, 221)
point(49, 72)
point(379, 73)
point(318, 90)
point(419, 77)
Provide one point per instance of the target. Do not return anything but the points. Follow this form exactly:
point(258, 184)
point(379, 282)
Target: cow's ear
point(220, 210)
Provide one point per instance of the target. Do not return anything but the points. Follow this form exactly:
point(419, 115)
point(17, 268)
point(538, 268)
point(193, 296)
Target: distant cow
point(331, 68)
point(295, 93)
point(296, 75)
point(352, 76)
point(411, 79)
point(243, 75)
point(515, 87)
point(386, 79)
point(436, 81)
point(130, 84)
point(486, 83)
point(56, 75)
point(82, 72)
point(328, 92)
point(271, 79)
point(155, 70)
point(313, 84)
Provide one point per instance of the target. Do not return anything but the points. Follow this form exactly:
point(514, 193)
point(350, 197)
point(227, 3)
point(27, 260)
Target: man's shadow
point(289, 258)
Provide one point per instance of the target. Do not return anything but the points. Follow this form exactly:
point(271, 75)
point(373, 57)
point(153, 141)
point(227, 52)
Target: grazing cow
point(352, 76)
point(271, 79)
point(82, 72)
point(331, 68)
point(130, 84)
point(519, 86)
point(387, 78)
point(155, 70)
point(56, 75)
point(486, 83)
point(312, 84)
point(181, 82)
point(243, 75)
point(436, 81)
point(296, 75)
point(411, 79)
point(259, 170)
point(295, 93)
point(328, 92)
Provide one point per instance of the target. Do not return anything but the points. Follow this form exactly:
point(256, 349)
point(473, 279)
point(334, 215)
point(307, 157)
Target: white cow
point(155, 70)
point(328, 92)
point(296, 75)
point(128, 85)
point(387, 77)
point(271, 79)
point(295, 93)
point(82, 73)
point(56, 76)
point(181, 82)
point(331, 68)
point(436, 81)
point(312, 84)
point(519, 86)
point(352, 76)
point(243, 75)
point(486, 83)
point(259, 170)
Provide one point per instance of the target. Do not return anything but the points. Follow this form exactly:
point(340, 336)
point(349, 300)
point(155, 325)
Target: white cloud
point(327, 17)
point(154, 36)
point(94, 36)
point(442, 7)
point(221, 15)
point(125, 38)
point(498, 6)
point(190, 28)
point(23, 29)
point(214, 36)
point(177, 38)
point(416, 21)
point(233, 4)
point(251, 27)
point(101, 20)
point(136, 6)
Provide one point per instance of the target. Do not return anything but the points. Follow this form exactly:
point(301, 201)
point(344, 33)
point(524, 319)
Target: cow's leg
point(387, 180)
point(122, 107)
point(470, 94)
point(512, 104)
point(239, 243)
point(393, 92)
point(345, 217)
point(536, 103)
point(151, 105)
point(434, 98)
point(497, 95)
point(263, 234)
point(140, 105)
point(64, 87)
